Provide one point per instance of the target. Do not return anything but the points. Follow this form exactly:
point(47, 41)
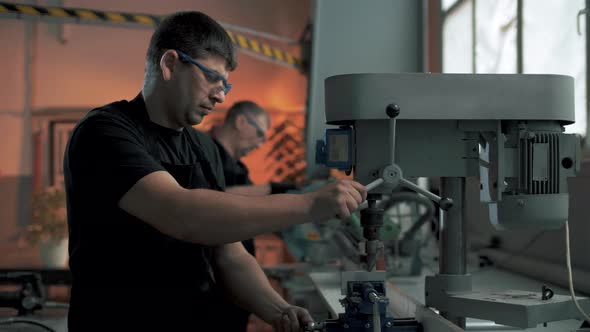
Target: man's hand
point(337, 199)
point(291, 319)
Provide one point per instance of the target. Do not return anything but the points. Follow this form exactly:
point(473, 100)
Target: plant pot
point(54, 253)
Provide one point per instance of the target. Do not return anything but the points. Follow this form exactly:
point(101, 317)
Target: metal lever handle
point(374, 184)
point(314, 326)
point(395, 174)
point(392, 111)
point(369, 187)
point(444, 203)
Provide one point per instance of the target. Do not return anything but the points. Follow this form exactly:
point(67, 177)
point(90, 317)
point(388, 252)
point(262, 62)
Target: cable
point(9, 321)
point(568, 260)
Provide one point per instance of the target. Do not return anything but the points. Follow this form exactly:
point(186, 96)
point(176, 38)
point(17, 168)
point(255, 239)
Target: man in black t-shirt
point(244, 130)
point(154, 240)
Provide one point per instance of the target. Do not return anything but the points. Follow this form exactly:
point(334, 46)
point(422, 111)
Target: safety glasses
point(259, 132)
point(211, 75)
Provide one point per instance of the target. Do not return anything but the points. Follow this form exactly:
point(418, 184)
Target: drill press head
point(449, 126)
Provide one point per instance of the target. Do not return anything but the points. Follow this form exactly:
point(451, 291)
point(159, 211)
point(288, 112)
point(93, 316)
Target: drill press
point(507, 130)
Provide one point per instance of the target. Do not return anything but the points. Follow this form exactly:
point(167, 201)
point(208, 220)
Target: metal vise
point(365, 307)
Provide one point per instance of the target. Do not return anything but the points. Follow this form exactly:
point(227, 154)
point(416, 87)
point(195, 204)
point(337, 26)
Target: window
point(481, 37)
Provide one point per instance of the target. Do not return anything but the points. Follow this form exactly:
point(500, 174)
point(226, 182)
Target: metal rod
point(374, 184)
point(453, 248)
point(411, 185)
point(370, 186)
point(392, 125)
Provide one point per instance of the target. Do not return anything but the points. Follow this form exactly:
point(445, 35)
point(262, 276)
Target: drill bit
point(372, 248)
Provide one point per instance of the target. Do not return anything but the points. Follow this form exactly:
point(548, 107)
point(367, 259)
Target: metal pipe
point(453, 248)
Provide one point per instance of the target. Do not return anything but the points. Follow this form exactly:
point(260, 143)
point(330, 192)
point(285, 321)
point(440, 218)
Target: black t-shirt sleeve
point(107, 155)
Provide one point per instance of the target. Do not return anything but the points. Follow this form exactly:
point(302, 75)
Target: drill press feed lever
point(372, 216)
point(336, 150)
point(393, 176)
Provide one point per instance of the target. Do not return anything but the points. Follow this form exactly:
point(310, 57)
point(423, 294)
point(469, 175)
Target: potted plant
point(49, 228)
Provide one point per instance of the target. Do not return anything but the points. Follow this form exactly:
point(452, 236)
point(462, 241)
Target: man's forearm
point(210, 217)
point(250, 190)
point(247, 285)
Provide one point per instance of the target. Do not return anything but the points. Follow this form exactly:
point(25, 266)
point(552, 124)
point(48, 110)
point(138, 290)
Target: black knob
point(392, 110)
point(446, 204)
point(546, 293)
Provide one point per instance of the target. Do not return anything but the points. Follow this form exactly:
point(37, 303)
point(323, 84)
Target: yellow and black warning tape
point(265, 50)
point(79, 15)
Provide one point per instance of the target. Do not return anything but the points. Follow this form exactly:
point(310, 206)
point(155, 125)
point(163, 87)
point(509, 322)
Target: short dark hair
point(193, 33)
point(245, 106)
